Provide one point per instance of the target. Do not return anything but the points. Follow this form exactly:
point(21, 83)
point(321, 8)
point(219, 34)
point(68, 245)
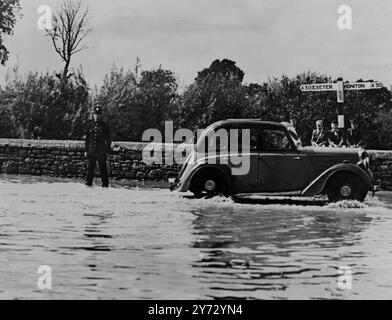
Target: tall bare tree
point(70, 28)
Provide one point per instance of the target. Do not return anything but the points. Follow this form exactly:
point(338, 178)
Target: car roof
point(247, 122)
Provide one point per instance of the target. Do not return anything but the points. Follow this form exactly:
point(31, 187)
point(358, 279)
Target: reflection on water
point(142, 244)
point(248, 252)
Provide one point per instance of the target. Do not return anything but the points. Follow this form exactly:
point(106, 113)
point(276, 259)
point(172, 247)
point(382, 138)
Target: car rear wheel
point(346, 187)
point(208, 184)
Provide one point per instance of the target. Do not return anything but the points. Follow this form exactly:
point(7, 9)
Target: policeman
point(97, 145)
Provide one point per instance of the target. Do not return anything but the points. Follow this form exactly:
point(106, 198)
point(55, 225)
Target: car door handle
point(297, 158)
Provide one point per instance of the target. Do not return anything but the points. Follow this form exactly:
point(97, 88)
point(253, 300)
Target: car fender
point(201, 166)
point(318, 184)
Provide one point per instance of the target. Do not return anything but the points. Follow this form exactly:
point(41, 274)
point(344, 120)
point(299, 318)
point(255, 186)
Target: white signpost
point(363, 86)
point(346, 86)
point(340, 87)
point(318, 87)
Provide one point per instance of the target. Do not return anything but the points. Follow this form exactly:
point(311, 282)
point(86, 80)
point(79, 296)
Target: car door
point(281, 166)
point(248, 181)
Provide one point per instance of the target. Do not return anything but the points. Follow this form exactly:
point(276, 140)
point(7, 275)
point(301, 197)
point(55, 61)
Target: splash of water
point(355, 204)
point(300, 203)
point(347, 204)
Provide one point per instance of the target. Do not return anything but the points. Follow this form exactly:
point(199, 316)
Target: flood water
point(138, 243)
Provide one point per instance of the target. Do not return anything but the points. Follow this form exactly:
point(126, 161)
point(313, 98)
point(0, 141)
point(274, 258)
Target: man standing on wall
point(97, 145)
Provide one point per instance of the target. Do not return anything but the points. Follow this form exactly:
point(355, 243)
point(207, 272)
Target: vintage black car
point(275, 161)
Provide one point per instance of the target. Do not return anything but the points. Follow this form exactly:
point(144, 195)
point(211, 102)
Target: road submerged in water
point(142, 243)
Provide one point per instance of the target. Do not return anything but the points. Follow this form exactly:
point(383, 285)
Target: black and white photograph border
point(195, 150)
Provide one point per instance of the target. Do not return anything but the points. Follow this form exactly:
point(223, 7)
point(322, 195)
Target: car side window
point(220, 140)
point(252, 143)
point(275, 140)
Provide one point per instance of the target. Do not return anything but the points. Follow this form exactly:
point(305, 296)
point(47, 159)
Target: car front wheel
point(346, 187)
point(209, 184)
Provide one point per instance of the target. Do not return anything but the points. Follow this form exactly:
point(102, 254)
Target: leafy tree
point(117, 96)
point(133, 106)
point(41, 106)
point(156, 98)
point(217, 93)
point(9, 12)
point(379, 135)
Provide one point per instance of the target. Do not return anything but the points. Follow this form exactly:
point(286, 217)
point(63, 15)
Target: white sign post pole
point(340, 99)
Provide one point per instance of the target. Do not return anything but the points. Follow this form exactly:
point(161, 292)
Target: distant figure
point(97, 145)
point(36, 135)
point(335, 137)
point(293, 122)
point(320, 135)
point(354, 136)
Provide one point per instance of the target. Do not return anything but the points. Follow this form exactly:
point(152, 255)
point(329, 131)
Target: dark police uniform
point(97, 145)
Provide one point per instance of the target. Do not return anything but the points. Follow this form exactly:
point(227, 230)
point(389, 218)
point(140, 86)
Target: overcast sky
point(265, 38)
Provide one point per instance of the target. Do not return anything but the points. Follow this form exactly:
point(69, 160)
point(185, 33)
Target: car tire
point(346, 187)
point(209, 184)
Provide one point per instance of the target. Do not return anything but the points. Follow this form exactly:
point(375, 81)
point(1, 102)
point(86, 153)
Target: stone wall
point(66, 159)
point(381, 165)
